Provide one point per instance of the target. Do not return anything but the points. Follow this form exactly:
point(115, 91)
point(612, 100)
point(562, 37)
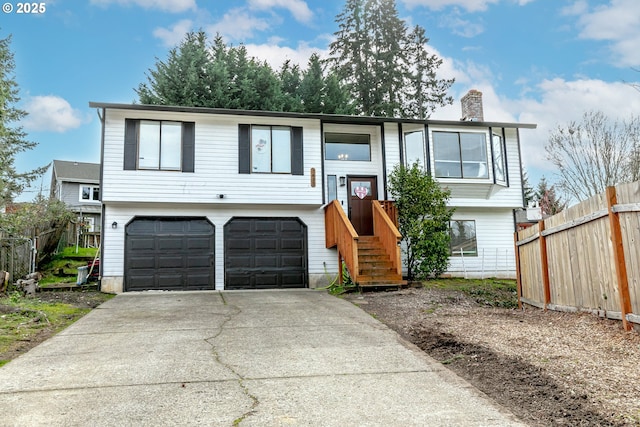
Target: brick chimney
point(472, 106)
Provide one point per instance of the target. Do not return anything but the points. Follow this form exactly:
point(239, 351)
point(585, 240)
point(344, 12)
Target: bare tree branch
point(594, 154)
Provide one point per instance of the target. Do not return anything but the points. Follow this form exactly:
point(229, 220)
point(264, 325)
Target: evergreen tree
point(527, 190)
point(221, 76)
point(183, 78)
point(335, 97)
point(383, 65)
point(196, 74)
point(550, 202)
point(425, 91)
point(12, 138)
point(291, 82)
point(312, 87)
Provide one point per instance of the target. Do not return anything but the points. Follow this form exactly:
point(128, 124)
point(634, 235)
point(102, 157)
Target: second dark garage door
point(172, 253)
point(265, 253)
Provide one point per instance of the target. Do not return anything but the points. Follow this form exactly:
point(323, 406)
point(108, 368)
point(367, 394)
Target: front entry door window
point(362, 190)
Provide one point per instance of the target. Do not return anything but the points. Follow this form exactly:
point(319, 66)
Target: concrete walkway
point(254, 358)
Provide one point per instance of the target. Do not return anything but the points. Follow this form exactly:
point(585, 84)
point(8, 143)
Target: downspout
point(322, 179)
point(521, 169)
point(102, 209)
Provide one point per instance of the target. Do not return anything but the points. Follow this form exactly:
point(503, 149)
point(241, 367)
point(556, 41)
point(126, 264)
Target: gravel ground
point(548, 368)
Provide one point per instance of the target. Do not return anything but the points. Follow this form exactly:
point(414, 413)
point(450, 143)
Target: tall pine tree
point(183, 78)
point(424, 90)
point(384, 66)
point(12, 138)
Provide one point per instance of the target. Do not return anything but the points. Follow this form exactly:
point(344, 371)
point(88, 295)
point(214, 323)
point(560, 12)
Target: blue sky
point(536, 61)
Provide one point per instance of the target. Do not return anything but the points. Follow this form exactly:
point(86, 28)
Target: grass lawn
point(25, 322)
point(63, 267)
point(492, 292)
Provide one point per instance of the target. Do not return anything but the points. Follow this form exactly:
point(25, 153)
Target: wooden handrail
point(340, 233)
point(386, 231)
point(391, 210)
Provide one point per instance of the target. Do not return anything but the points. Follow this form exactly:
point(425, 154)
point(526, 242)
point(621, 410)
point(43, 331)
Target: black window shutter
point(297, 155)
point(130, 144)
point(244, 149)
point(188, 146)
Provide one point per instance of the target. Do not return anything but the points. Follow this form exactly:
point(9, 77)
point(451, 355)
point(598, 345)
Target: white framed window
point(460, 155)
point(347, 147)
point(271, 149)
point(414, 148)
point(463, 238)
point(499, 159)
point(89, 193)
point(332, 187)
point(160, 145)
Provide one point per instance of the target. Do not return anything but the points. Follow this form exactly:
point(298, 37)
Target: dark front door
point(362, 190)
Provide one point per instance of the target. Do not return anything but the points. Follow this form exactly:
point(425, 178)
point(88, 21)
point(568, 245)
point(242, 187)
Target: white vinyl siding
point(494, 241)
point(216, 165)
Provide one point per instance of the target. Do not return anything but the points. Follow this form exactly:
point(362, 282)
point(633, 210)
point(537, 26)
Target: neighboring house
point(201, 198)
point(78, 186)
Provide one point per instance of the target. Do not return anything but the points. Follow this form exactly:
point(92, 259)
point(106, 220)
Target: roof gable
point(76, 171)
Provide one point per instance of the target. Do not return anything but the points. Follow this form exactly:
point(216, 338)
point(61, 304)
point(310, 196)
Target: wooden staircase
point(376, 267)
point(372, 261)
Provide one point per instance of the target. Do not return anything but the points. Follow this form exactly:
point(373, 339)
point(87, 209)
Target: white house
point(77, 184)
point(201, 198)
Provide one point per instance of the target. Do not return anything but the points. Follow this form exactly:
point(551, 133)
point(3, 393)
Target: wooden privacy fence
point(16, 257)
point(586, 258)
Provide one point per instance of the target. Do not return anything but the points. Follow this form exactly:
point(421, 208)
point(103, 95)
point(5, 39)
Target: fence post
point(544, 265)
point(618, 257)
point(518, 277)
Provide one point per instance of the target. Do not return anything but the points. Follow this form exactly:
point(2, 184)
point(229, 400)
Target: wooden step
point(384, 280)
point(376, 268)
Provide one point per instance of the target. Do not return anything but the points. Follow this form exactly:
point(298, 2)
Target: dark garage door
point(169, 254)
point(265, 253)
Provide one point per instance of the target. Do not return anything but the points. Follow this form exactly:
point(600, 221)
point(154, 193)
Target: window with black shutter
point(159, 145)
point(270, 149)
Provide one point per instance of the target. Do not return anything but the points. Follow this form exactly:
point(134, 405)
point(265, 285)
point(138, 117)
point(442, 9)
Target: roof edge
point(327, 118)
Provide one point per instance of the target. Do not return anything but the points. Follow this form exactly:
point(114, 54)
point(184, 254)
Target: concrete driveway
point(254, 358)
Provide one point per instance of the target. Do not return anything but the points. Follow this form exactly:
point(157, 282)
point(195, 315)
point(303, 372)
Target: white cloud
point(617, 23)
point(468, 5)
point(547, 103)
point(173, 6)
point(173, 36)
point(51, 113)
point(560, 102)
point(298, 8)
point(238, 24)
point(276, 55)
point(577, 8)
point(461, 27)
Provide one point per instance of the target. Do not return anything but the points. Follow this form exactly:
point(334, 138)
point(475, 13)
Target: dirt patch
point(78, 298)
point(548, 368)
point(86, 299)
